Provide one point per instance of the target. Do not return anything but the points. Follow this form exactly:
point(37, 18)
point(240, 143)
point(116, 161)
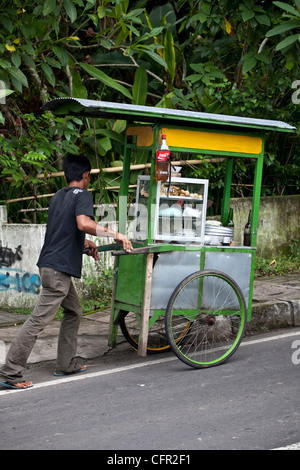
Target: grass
point(281, 264)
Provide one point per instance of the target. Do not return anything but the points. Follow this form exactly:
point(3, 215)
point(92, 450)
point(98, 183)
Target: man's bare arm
point(89, 226)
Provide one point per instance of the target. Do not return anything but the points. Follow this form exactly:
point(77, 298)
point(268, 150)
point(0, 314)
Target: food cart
point(184, 285)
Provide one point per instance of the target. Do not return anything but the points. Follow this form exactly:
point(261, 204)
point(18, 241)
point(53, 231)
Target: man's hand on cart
point(92, 249)
point(124, 241)
point(107, 232)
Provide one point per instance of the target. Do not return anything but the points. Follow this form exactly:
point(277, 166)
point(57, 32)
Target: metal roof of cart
point(130, 112)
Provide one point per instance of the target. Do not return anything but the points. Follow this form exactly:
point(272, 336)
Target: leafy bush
point(99, 286)
point(282, 264)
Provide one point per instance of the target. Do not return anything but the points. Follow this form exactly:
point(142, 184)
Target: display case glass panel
point(180, 210)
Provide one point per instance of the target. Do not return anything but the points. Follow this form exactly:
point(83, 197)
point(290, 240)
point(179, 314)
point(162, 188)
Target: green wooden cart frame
point(203, 267)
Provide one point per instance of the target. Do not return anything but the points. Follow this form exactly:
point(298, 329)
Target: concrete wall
point(279, 223)
point(20, 245)
point(19, 275)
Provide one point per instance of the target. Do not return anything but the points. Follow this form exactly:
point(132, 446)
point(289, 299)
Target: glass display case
point(180, 210)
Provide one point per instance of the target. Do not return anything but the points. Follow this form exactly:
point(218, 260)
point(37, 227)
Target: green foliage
point(27, 154)
point(99, 287)
point(292, 24)
point(105, 79)
point(140, 84)
point(285, 263)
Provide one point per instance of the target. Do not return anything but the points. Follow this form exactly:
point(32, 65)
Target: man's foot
point(61, 374)
point(17, 386)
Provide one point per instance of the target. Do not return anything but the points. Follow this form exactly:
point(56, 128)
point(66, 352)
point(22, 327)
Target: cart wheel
point(213, 306)
point(157, 340)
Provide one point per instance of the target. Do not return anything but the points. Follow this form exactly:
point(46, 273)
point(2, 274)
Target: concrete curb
point(273, 315)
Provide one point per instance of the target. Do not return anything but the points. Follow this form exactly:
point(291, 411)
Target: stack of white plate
point(217, 234)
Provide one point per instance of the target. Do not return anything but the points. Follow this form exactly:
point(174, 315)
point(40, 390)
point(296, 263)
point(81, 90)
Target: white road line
point(270, 338)
point(289, 447)
point(86, 375)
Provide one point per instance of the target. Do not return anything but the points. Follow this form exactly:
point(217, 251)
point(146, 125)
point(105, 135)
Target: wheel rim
point(157, 340)
point(215, 308)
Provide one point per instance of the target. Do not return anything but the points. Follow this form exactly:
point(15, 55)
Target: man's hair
point(74, 166)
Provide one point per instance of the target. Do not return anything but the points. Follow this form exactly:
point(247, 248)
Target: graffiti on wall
point(13, 278)
point(8, 257)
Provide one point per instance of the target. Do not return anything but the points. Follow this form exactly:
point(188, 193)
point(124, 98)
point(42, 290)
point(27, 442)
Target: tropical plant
point(292, 25)
point(214, 56)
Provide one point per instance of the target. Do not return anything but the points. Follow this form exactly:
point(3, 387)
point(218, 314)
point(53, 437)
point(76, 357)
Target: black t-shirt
point(63, 245)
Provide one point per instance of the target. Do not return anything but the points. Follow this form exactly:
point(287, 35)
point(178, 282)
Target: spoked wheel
point(213, 307)
point(157, 340)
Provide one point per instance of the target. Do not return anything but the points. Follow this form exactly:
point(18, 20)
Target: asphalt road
point(157, 403)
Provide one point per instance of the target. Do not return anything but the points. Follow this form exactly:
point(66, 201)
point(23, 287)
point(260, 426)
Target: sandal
point(15, 386)
point(82, 369)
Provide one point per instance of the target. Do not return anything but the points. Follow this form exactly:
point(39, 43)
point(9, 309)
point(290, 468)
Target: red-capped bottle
point(162, 160)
